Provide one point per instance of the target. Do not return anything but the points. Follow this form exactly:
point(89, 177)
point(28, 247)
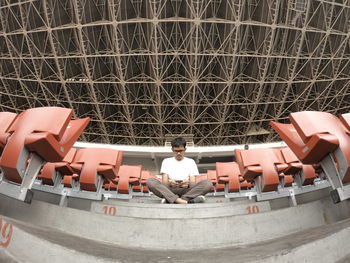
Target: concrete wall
point(177, 233)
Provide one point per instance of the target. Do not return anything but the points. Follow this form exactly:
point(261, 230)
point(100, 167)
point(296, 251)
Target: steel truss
point(144, 69)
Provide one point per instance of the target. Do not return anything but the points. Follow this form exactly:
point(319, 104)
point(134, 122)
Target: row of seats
point(268, 168)
point(273, 168)
point(95, 169)
point(49, 133)
point(313, 135)
point(322, 138)
point(226, 173)
point(33, 137)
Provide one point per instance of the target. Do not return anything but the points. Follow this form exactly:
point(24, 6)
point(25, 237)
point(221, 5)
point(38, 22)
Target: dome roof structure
point(217, 71)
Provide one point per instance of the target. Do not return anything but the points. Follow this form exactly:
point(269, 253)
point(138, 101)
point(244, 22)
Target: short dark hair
point(177, 142)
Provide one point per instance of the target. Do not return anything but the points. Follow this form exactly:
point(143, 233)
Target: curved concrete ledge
point(160, 233)
point(28, 245)
point(173, 211)
point(321, 244)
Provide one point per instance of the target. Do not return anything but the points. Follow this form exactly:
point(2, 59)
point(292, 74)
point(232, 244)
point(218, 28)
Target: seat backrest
point(308, 123)
point(92, 161)
point(201, 177)
point(213, 178)
point(127, 175)
point(98, 156)
point(345, 119)
point(231, 171)
point(6, 119)
point(264, 157)
point(261, 161)
point(52, 120)
point(49, 171)
point(44, 119)
point(70, 155)
point(289, 156)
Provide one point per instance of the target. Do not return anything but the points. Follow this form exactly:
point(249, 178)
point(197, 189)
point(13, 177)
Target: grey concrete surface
point(345, 259)
point(323, 244)
point(173, 211)
point(160, 233)
point(6, 257)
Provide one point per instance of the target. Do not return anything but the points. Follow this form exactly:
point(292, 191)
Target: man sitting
point(178, 178)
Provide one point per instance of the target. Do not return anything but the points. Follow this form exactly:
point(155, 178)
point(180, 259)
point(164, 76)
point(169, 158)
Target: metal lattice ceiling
point(143, 69)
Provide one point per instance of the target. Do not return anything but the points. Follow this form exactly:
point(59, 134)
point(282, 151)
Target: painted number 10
point(109, 210)
point(5, 233)
point(253, 209)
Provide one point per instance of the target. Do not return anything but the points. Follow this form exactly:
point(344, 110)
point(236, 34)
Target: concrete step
point(31, 243)
point(6, 257)
point(164, 230)
point(146, 209)
point(345, 259)
point(209, 199)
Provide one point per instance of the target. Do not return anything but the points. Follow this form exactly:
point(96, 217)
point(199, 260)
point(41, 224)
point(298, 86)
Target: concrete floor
point(106, 252)
point(316, 231)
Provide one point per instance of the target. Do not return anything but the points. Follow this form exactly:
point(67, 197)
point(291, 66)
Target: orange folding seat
point(266, 163)
point(306, 172)
point(312, 135)
point(201, 177)
point(345, 119)
point(285, 179)
point(145, 175)
point(229, 173)
point(47, 132)
point(128, 175)
point(96, 165)
point(212, 179)
point(309, 136)
point(244, 185)
point(110, 185)
point(6, 119)
point(218, 187)
point(52, 173)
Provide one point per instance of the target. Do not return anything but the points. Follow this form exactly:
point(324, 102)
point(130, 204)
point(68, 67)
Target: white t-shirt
point(179, 170)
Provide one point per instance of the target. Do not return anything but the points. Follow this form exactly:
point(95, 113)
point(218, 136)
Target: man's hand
point(173, 184)
point(184, 184)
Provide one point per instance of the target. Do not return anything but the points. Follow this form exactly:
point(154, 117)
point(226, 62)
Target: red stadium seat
point(228, 173)
point(211, 176)
point(306, 137)
point(201, 177)
point(50, 171)
point(219, 187)
point(267, 163)
point(128, 175)
point(244, 185)
point(345, 119)
point(92, 163)
point(313, 135)
point(110, 185)
point(285, 180)
point(46, 131)
point(70, 181)
point(6, 119)
point(145, 175)
point(306, 172)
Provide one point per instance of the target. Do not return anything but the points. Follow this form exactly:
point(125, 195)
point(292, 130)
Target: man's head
point(178, 146)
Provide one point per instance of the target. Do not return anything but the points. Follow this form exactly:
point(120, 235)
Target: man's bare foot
point(180, 201)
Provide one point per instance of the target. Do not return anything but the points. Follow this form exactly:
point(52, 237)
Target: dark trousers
point(172, 193)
